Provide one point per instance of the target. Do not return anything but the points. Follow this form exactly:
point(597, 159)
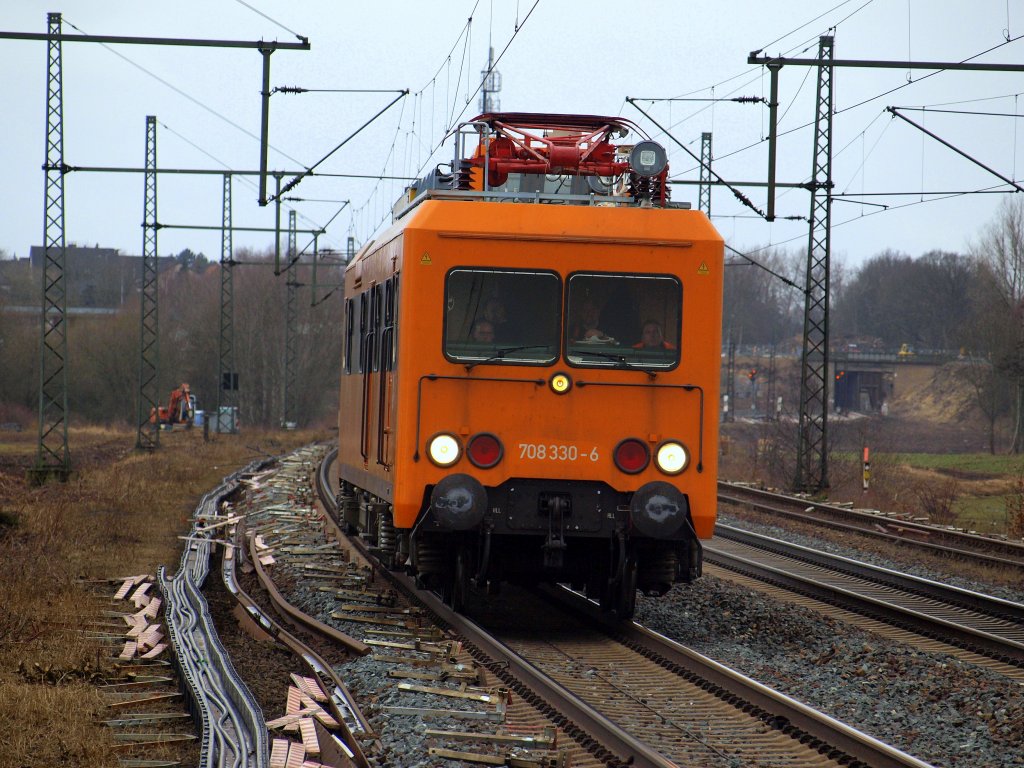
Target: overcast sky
point(565, 57)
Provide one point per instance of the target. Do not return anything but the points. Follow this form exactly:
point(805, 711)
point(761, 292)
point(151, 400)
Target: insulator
point(639, 187)
point(661, 191)
point(463, 179)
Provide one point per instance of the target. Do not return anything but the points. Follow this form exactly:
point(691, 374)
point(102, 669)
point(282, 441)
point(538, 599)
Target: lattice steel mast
point(704, 191)
point(227, 392)
point(149, 326)
point(812, 442)
point(53, 456)
point(291, 322)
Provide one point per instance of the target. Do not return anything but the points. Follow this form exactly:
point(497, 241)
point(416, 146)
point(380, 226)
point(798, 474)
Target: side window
point(376, 311)
point(350, 329)
point(387, 348)
point(364, 307)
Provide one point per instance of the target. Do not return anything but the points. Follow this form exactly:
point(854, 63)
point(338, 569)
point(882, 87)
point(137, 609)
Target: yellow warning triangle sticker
point(703, 269)
point(425, 259)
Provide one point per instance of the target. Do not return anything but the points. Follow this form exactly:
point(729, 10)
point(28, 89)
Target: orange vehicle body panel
point(406, 408)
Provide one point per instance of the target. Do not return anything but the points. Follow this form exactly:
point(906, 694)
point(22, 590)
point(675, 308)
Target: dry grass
point(121, 514)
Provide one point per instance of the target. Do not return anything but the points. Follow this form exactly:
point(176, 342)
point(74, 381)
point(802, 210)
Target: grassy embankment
point(981, 487)
point(121, 514)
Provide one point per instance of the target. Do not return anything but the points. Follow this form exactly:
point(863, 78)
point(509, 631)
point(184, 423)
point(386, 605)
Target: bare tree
point(1000, 250)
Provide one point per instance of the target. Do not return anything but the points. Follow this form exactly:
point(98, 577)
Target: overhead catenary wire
point(455, 117)
point(291, 184)
point(198, 103)
point(272, 20)
point(860, 103)
point(185, 95)
point(739, 195)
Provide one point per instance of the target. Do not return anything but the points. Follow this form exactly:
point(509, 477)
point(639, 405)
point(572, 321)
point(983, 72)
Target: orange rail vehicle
point(531, 368)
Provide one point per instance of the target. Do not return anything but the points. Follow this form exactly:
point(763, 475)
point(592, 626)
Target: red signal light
point(485, 450)
point(632, 456)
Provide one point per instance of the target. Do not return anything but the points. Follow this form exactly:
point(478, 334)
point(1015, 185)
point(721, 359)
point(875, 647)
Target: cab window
point(623, 320)
point(509, 317)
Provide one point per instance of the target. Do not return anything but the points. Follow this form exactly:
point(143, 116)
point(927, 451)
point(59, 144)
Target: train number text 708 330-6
point(556, 452)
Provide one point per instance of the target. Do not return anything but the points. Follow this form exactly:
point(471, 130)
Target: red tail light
point(632, 455)
point(485, 450)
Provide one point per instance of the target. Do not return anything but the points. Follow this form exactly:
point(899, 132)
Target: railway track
point(913, 534)
point(566, 692)
point(979, 623)
point(647, 700)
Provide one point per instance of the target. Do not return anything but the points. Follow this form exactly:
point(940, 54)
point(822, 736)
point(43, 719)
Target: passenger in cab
point(483, 332)
point(587, 322)
point(653, 337)
point(495, 314)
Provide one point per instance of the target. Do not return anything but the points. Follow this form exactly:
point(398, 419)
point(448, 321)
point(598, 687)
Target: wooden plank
point(150, 638)
point(296, 755)
point(139, 597)
point(153, 608)
point(154, 738)
point(125, 588)
point(155, 651)
point(308, 732)
point(469, 757)
point(309, 686)
point(456, 714)
point(544, 741)
point(285, 721)
point(129, 650)
point(279, 753)
point(294, 700)
point(142, 718)
point(471, 695)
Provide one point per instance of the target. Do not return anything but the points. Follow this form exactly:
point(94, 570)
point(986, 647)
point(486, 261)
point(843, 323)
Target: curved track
point(640, 700)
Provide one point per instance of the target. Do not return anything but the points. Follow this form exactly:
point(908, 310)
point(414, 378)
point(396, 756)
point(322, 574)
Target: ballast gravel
point(939, 709)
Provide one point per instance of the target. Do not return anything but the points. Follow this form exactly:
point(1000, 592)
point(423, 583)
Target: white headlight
point(672, 457)
point(444, 450)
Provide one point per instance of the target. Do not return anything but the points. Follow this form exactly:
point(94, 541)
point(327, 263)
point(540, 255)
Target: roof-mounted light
point(648, 158)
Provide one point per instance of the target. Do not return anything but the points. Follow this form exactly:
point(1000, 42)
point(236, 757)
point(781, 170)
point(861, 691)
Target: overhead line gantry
point(53, 457)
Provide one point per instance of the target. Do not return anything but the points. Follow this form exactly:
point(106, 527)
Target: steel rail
point(343, 705)
point(846, 592)
point(969, 545)
point(783, 711)
point(989, 605)
point(506, 664)
point(286, 609)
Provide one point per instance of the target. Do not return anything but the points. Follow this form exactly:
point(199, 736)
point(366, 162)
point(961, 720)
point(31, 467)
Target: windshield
point(502, 316)
point(623, 320)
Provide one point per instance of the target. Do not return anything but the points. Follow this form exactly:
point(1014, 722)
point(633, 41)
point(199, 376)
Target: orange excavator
point(181, 409)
